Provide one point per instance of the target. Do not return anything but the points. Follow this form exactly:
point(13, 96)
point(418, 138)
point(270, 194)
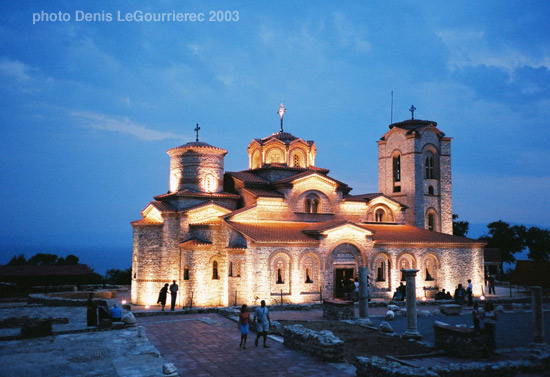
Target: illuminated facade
point(285, 228)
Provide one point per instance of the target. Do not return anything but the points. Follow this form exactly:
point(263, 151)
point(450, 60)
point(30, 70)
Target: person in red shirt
point(244, 319)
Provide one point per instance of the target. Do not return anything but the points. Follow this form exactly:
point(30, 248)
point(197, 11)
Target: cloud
point(125, 126)
point(475, 193)
point(349, 34)
point(15, 69)
point(471, 48)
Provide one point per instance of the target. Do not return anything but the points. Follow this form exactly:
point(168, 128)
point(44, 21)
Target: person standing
point(174, 293)
point(469, 290)
point(263, 323)
point(162, 296)
point(476, 317)
point(91, 312)
point(244, 319)
point(490, 321)
point(491, 284)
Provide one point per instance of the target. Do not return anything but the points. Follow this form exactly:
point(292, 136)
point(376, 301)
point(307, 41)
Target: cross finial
point(281, 113)
point(412, 111)
point(197, 131)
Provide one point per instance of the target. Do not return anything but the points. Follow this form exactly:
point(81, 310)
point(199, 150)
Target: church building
point(284, 228)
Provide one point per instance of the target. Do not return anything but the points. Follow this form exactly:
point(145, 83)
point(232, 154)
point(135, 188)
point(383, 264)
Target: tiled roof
point(325, 225)
point(362, 197)
point(197, 145)
point(369, 197)
point(307, 173)
point(274, 231)
point(265, 193)
point(194, 194)
point(66, 270)
point(246, 176)
point(195, 242)
point(531, 273)
point(283, 136)
point(395, 233)
point(146, 222)
point(163, 206)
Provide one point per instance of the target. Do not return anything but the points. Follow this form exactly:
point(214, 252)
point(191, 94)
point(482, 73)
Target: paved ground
point(208, 345)
point(198, 344)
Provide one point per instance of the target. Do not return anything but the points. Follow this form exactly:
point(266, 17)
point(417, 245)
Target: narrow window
point(215, 275)
point(397, 173)
point(380, 276)
point(280, 276)
point(308, 277)
point(397, 168)
point(429, 166)
point(314, 206)
point(186, 273)
point(431, 221)
point(379, 215)
point(296, 160)
point(430, 190)
point(230, 268)
point(308, 205)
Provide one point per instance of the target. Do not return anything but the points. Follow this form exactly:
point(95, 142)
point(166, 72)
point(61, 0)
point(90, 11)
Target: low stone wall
point(462, 342)
point(337, 310)
point(47, 300)
point(322, 345)
point(536, 362)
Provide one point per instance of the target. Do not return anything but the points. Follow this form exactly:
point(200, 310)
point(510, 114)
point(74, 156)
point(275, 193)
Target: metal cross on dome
point(412, 111)
point(281, 113)
point(197, 131)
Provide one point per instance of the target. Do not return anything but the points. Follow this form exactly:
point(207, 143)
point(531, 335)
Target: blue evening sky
point(88, 109)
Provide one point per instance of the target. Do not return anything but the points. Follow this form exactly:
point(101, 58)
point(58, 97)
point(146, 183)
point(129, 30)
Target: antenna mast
point(391, 112)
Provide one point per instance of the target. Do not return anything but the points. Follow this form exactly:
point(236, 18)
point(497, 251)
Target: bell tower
point(414, 168)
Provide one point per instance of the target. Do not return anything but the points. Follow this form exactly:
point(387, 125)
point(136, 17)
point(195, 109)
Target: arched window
point(215, 275)
point(256, 160)
point(404, 264)
point(430, 269)
point(380, 215)
point(431, 221)
point(396, 173)
point(430, 190)
point(429, 167)
point(381, 271)
point(186, 273)
point(280, 272)
point(209, 183)
point(312, 204)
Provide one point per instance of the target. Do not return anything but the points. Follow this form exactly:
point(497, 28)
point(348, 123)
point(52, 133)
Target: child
point(244, 318)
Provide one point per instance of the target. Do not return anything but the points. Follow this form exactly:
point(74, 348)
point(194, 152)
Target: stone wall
point(338, 310)
point(322, 345)
point(534, 364)
point(462, 342)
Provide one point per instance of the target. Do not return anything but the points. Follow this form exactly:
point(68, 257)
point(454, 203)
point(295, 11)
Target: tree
point(509, 239)
point(460, 228)
point(17, 260)
point(43, 260)
point(121, 277)
point(538, 242)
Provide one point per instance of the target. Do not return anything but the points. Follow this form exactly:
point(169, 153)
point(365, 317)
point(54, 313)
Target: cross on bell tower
point(412, 109)
point(197, 131)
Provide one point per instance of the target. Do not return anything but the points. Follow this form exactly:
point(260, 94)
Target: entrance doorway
point(342, 278)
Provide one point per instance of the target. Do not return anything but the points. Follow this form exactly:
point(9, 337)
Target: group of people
point(163, 294)
point(262, 321)
point(461, 294)
point(489, 318)
point(93, 309)
point(351, 288)
point(400, 293)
